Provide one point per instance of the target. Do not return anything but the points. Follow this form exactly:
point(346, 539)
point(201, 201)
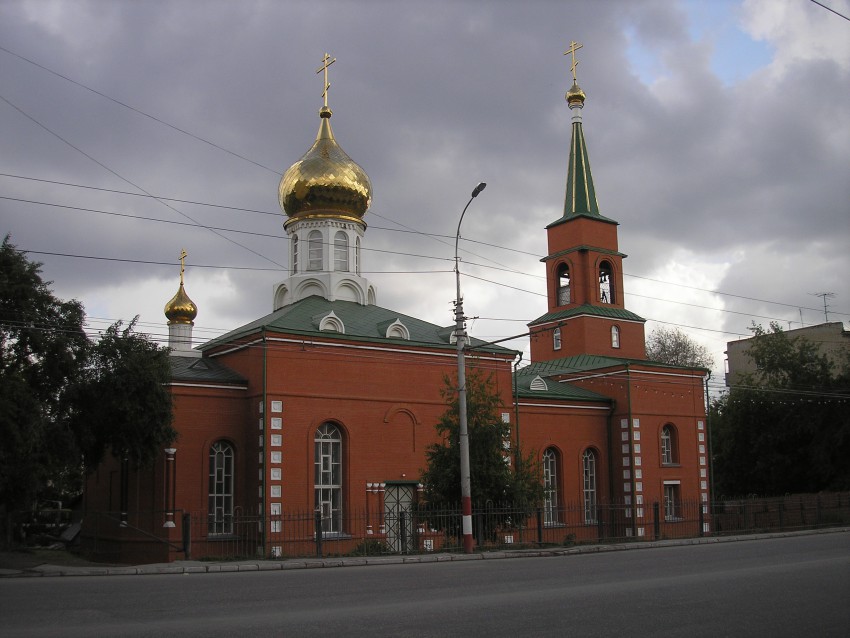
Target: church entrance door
point(398, 516)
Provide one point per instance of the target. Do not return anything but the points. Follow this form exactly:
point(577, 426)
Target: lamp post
point(460, 337)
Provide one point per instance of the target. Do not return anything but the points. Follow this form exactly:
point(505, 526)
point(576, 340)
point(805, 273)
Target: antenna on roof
point(824, 295)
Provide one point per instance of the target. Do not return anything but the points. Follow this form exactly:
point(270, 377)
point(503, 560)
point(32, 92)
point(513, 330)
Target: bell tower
point(584, 267)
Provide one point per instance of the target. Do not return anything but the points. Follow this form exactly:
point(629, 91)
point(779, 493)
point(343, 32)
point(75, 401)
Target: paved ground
point(54, 562)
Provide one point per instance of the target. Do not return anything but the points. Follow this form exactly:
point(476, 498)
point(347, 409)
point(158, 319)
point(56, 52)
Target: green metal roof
point(362, 323)
point(529, 387)
point(203, 369)
point(609, 312)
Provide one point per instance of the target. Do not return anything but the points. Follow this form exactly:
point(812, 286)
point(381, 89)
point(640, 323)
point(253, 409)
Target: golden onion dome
point(325, 182)
point(575, 96)
point(181, 309)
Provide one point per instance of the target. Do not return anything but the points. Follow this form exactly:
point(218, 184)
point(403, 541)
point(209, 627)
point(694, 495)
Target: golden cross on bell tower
point(326, 62)
point(183, 256)
point(574, 46)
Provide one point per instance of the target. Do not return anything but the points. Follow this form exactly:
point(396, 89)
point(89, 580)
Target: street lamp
point(460, 337)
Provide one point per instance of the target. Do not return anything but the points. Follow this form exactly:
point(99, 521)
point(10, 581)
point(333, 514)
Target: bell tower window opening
point(563, 285)
point(556, 339)
point(606, 283)
point(341, 252)
point(295, 254)
point(615, 337)
point(314, 250)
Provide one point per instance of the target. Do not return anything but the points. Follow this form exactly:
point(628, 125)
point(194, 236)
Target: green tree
point(674, 347)
point(785, 428)
point(492, 479)
point(122, 400)
point(64, 400)
point(42, 349)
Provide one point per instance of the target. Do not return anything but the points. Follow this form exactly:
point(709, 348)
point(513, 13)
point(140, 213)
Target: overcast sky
point(718, 134)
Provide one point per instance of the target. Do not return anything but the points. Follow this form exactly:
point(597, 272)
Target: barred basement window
point(671, 502)
point(589, 470)
point(328, 477)
point(220, 507)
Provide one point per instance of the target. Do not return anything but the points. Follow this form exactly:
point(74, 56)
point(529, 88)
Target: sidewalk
point(84, 568)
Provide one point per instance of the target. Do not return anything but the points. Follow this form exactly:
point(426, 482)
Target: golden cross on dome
point(326, 62)
point(183, 256)
point(574, 46)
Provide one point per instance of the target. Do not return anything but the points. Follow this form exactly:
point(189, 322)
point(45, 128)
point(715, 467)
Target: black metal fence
point(412, 530)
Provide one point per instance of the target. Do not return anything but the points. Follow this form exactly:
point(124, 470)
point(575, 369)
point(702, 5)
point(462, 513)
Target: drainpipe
point(517, 453)
point(710, 449)
point(266, 439)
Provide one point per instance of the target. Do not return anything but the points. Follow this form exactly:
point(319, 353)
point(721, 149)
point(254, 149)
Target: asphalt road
point(797, 586)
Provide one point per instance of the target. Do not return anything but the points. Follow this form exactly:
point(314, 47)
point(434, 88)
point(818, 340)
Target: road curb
point(197, 567)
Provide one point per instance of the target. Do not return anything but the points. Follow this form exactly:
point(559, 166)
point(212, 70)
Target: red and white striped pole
point(460, 337)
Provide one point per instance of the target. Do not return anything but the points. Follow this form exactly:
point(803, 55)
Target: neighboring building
point(831, 338)
point(327, 404)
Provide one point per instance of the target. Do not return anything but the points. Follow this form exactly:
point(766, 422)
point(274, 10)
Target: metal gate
point(398, 517)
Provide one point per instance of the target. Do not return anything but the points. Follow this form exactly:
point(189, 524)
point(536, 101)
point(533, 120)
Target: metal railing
point(413, 530)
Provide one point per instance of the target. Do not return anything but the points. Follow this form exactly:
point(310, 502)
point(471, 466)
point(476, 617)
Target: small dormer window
point(331, 323)
point(397, 330)
point(538, 384)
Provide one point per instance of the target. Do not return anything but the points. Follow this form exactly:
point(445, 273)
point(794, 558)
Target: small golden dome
point(181, 309)
point(575, 96)
point(325, 182)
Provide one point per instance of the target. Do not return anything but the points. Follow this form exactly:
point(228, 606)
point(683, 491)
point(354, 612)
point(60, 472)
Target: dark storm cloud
point(429, 98)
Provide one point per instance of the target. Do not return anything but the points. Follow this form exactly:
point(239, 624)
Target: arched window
point(357, 256)
point(669, 451)
point(295, 254)
point(556, 338)
point(341, 252)
point(588, 462)
point(314, 248)
point(220, 507)
point(328, 477)
point(550, 486)
point(606, 283)
point(615, 337)
point(563, 285)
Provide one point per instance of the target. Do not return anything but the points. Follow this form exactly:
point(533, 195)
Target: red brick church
point(326, 405)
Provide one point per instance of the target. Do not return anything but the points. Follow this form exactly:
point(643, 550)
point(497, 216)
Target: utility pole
point(460, 337)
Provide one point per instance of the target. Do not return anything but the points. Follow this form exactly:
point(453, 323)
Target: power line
point(135, 110)
point(840, 15)
point(124, 179)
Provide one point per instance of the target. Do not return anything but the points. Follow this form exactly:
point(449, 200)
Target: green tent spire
point(581, 196)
